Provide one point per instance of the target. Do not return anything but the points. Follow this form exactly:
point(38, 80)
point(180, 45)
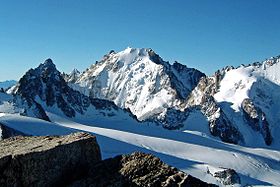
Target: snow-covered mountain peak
point(140, 80)
point(236, 83)
point(133, 53)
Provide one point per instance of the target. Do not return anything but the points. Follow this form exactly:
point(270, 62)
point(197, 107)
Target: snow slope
point(192, 153)
point(32, 126)
point(260, 83)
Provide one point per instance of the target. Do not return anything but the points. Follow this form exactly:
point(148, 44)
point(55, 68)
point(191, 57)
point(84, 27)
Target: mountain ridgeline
point(239, 104)
point(46, 86)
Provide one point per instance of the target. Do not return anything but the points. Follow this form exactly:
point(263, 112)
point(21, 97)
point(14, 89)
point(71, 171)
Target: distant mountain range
point(237, 103)
point(234, 101)
point(7, 84)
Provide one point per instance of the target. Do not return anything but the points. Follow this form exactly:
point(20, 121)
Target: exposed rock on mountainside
point(249, 96)
point(256, 119)
point(46, 83)
point(219, 124)
point(16, 104)
point(75, 160)
point(228, 176)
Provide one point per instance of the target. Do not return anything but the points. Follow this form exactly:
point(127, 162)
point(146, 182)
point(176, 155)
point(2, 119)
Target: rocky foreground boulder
point(75, 160)
point(137, 169)
point(46, 160)
point(228, 177)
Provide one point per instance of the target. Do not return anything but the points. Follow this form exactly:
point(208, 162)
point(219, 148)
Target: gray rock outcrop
point(228, 177)
point(46, 160)
point(256, 119)
point(219, 124)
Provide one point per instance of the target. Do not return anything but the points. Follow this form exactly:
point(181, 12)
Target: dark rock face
point(219, 124)
point(224, 129)
point(137, 169)
point(173, 119)
point(46, 161)
point(254, 117)
point(182, 79)
point(75, 160)
point(46, 84)
point(228, 177)
point(7, 132)
point(32, 108)
point(190, 77)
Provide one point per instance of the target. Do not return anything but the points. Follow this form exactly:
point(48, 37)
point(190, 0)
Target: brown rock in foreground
point(137, 169)
point(75, 160)
point(46, 160)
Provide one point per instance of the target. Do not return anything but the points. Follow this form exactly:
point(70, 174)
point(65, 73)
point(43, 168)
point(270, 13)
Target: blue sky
point(205, 34)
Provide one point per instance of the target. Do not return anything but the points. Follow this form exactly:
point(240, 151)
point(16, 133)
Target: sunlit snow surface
point(260, 83)
point(192, 153)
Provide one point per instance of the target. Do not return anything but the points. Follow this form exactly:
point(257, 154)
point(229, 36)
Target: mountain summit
point(140, 80)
